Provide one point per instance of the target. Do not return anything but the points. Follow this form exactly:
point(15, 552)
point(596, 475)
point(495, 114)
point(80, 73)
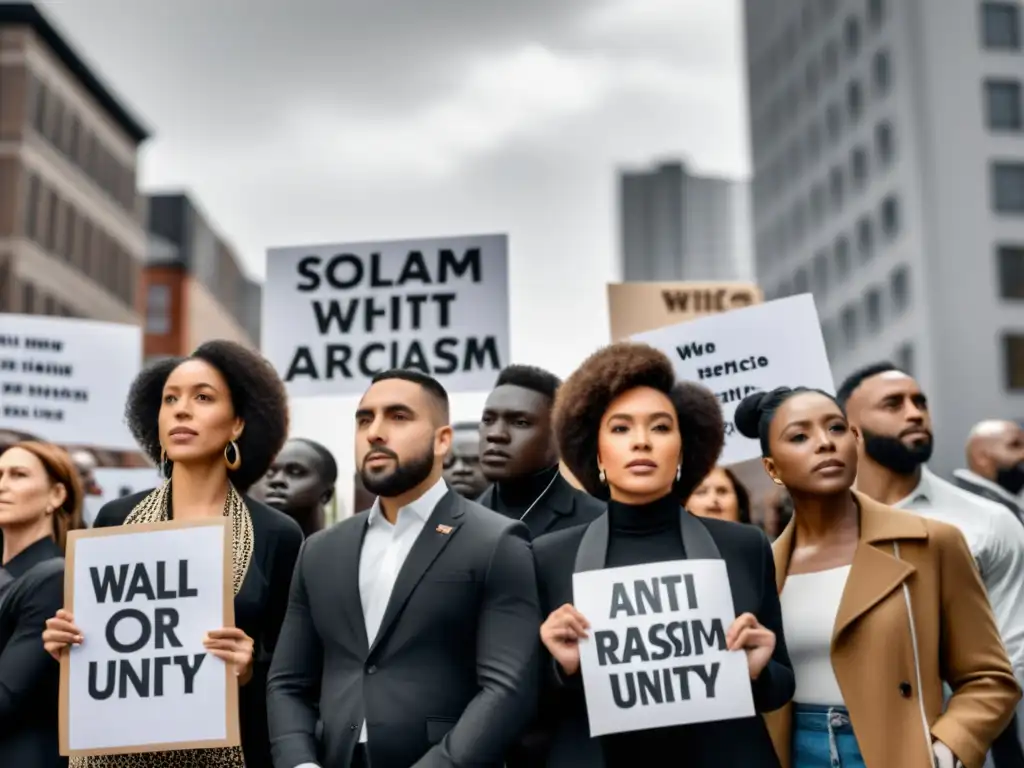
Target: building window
point(1013, 351)
point(905, 358)
point(1000, 26)
point(833, 122)
point(32, 207)
point(1008, 187)
point(842, 257)
point(801, 283)
point(1003, 105)
point(854, 101)
point(819, 270)
point(813, 142)
point(876, 14)
point(851, 36)
point(873, 310)
point(158, 309)
point(859, 167)
point(899, 289)
point(848, 322)
point(812, 79)
point(51, 230)
point(28, 298)
point(39, 117)
point(881, 73)
point(830, 59)
point(865, 239)
point(835, 188)
point(891, 216)
point(817, 204)
point(884, 143)
point(1011, 271)
point(49, 305)
point(70, 230)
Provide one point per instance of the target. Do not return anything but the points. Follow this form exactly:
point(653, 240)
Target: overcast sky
point(329, 120)
point(310, 121)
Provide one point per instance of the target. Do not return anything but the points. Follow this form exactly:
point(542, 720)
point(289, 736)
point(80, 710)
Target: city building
point(888, 150)
point(195, 288)
point(677, 226)
point(72, 226)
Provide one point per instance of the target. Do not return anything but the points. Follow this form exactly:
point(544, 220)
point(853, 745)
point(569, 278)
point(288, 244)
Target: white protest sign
point(334, 315)
point(141, 681)
point(777, 344)
point(656, 654)
point(66, 380)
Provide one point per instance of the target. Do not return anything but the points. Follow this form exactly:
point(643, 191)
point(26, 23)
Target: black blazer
point(451, 677)
point(29, 676)
point(561, 507)
point(751, 567)
point(259, 607)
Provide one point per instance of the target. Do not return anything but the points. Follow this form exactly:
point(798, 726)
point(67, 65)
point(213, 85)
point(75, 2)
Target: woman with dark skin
point(635, 437)
point(880, 607)
point(213, 422)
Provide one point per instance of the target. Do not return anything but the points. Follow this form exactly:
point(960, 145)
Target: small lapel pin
point(445, 529)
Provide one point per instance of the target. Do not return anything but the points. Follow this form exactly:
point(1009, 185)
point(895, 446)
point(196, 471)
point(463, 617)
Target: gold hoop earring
point(602, 477)
point(235, 463)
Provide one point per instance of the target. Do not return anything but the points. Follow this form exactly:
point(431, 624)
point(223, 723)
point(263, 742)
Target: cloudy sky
point(329, 120)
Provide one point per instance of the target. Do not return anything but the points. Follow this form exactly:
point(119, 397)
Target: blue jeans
point(823, 738)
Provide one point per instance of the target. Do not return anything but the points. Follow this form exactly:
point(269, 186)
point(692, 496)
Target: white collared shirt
point(984, 482)
point(995, 538)
point(385, 548)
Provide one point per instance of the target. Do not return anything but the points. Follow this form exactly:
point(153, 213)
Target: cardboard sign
point(778, 344)
point(638, 307)
point(144, 596)
point(656, 654)
point(335, 315)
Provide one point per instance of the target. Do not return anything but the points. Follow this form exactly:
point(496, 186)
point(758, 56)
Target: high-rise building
point(195, 287)
point(888, 149)
point(72, 234)
point(678, 226)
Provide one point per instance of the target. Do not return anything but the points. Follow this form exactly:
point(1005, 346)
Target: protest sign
point(639, 307)
point(656, 654)
point(747, 350)
point(334, 315)
point(144, 596)
point(66, 380)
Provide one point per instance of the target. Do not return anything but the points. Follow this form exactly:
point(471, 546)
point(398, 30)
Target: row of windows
point(62, 230)
point(815, 15)
point(66, 132)
point(24, 297)
point(865, 319)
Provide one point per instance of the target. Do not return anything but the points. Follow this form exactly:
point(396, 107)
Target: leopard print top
point(153, 509)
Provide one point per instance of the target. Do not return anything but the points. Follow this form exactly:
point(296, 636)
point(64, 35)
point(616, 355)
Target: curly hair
point(257, 394)
point(608, 373)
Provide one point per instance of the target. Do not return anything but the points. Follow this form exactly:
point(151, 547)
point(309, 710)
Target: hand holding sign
point(561, 634)
point(233, 646)
point(759, 643)
point(60, 633)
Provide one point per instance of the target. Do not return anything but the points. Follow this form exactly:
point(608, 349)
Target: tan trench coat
point(873, 654)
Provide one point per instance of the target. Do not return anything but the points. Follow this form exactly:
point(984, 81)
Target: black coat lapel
point(439, 529)
point(351, 545)
point(593, 549)
point(487, 497)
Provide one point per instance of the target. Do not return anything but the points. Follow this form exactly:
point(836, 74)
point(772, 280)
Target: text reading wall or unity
point(335, 315)
point(656, 655)
point(144, 597)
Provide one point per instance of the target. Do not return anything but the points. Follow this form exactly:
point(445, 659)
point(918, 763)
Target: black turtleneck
point(513, 498)
point(644, 533)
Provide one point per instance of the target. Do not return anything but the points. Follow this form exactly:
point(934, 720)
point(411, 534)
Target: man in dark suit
point(520, 459)
point(995, 464)
point(413, 626)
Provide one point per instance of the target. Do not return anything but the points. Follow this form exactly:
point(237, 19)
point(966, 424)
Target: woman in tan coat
point(880, 607)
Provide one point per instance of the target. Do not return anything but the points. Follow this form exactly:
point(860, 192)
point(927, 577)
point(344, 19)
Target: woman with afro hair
point(213, 423)
point(634, 436)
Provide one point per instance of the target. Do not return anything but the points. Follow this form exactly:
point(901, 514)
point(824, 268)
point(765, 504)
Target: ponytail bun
point(748, 415)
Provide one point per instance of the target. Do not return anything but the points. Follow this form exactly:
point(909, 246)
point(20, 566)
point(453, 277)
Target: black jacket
point(259, 607)
point(29, 676)
point(751, 568)
point(561, 507)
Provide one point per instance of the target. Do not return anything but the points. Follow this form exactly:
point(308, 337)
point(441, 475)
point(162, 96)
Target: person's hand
point(759, 643)
point(61, 633)
point(561, 634)
point(233, 646)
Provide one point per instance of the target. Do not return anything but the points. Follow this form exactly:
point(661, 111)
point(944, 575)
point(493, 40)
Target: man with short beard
point(413, 626)
point(890, 413)
point(995, 464)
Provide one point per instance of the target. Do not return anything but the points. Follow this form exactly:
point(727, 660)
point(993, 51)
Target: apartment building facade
point(72, 234)
point(888, 149)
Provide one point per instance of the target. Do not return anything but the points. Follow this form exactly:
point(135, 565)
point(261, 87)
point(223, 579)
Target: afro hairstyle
point(257, 394)
point(608, 373)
